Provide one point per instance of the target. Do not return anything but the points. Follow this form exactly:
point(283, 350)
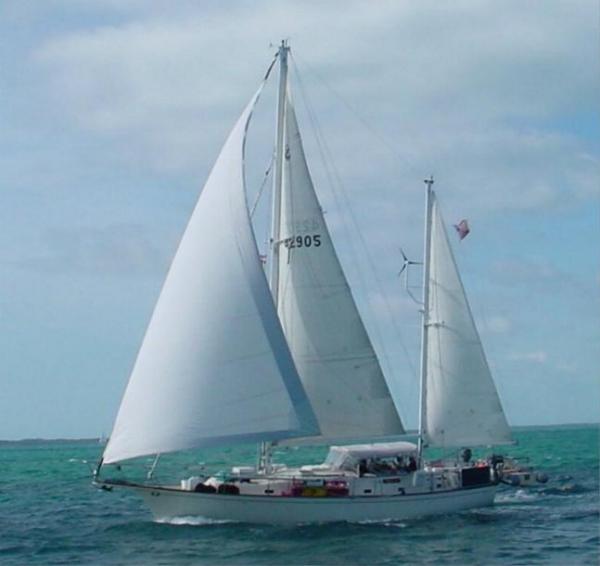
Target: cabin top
point(345, 457)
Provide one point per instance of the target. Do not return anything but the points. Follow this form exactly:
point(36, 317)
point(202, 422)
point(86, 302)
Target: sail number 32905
point(303, 241)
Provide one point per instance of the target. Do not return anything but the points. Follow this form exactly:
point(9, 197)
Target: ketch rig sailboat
point(233, 356)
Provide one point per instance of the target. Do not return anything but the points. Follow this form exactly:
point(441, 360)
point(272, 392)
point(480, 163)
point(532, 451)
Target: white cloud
point(537, 357)
point(116, 249)
point(168, 86)
point(497, 324)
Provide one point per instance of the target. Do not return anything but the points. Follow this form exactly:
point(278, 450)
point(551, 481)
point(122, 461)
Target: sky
point(113, 112)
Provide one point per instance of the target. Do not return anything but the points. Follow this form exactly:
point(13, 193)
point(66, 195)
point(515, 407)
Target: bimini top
point(346, 457)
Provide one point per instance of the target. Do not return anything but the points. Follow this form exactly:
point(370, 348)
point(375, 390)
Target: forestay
point(331, 349)
point(462, 404)
point(214, 366)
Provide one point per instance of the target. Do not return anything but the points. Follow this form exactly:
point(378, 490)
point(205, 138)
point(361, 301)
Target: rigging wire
point(262, 185)
point(334, 180)
point(269, 166)
point(389, 145)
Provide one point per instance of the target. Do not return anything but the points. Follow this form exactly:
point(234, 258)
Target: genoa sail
point(214, 366)
point(330, 346)
point(462, 406)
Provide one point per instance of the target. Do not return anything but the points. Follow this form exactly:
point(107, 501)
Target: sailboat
point(239, 352)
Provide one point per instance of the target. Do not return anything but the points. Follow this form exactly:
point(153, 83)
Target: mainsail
point(462, 407)
point(214, 366)
point(331, 349)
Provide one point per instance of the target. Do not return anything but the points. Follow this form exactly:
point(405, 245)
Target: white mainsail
point(331, 349)
point(214, 366)
point(462, 407)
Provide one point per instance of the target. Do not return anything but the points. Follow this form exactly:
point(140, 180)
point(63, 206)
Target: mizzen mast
point(425, 316)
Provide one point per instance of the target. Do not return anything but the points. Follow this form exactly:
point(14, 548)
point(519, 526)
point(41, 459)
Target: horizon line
point(410, 432)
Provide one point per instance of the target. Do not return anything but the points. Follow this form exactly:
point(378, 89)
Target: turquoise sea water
point(50, 514)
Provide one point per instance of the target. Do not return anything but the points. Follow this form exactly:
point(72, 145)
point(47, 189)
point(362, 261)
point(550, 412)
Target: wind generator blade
point(406, 262)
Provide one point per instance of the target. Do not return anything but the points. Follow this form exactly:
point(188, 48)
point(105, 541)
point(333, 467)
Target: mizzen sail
point(214, 366)
point(462, 407)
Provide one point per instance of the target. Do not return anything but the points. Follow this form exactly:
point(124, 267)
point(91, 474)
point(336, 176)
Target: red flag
point(462, 229)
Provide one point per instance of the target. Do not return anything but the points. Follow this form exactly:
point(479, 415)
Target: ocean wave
point(192, 521)
point(382, 522)
point(518, 496)
point(567, 489)
point(580, 514)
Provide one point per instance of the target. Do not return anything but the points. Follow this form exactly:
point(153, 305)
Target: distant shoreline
point(34, 441)
point(51, 440)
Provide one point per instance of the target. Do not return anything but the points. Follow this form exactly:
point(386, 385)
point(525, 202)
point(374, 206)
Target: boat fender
point(228, 489)
point(202, 488)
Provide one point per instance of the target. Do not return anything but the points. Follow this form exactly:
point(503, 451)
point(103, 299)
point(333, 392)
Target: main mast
point(278, 179)
point(264, 459)
point(425, 317)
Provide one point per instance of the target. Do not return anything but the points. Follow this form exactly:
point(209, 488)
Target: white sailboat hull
point(167, 504)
